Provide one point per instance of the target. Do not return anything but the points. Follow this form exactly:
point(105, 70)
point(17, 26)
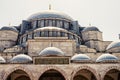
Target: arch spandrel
point(93, 71)
point(61, 71)
point(107, 69)
point(10, 70)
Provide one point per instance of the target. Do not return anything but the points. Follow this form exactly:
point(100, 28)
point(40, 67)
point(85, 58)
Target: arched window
point(46, 33)
point(42, 23)
point(39, 23)
point(50, 23)
point(37, 34)
point(54, 33)
point(53, 23)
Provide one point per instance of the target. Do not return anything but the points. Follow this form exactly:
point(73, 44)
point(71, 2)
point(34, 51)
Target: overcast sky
point(104, 14)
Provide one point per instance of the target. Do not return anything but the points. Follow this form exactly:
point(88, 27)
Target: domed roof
point(80, 58)
point(50, 28)
point(106, 57)
point(51, 51)
point(92, 28)
point(113, 45)
point(9, 28)
point(50, 14)
point(2, 60)
point(21, 58)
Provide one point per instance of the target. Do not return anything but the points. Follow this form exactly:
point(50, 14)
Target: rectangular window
point(46, 33)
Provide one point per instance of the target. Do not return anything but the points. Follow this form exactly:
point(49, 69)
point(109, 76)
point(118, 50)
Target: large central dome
point(50, 14)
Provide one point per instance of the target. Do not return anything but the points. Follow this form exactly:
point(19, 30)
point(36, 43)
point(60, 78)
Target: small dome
point(113, 45)
point(80, 58)
point(51, 51)
point(106, 57)
point(2, 60)
point(9, 28)
point(50, 28)
point(21, 58)
point(92, 28)
point(50, 14)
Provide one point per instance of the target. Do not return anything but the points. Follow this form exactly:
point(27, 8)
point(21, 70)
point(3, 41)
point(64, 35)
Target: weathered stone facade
point(52, 46)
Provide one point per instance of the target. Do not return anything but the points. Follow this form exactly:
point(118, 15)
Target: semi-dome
point(49, 14)
point(21, 58)
point(51, 51)
point(9, 28)
point(106, 57)
point(80, 58)
point(2, 60)
point(92, 28)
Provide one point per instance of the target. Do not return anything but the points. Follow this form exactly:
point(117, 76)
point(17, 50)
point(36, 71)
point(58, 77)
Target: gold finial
point(49, 6)
point(89, 24)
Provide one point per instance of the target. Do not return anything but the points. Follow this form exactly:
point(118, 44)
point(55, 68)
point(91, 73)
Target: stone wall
point(7, 39)
point(8, 35)
point(92, 35)
point(98, 45)
point(35, 46)
point(6, 44)
point(68, 71)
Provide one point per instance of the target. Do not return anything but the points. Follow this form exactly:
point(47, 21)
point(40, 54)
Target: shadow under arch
point(9, 71)
point(53, 69)
point(84, 71)
point(111, 73)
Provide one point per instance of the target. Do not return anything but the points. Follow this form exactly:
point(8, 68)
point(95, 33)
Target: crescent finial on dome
point(49, 6)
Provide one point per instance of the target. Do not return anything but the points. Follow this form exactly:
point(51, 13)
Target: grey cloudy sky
point(104, 14)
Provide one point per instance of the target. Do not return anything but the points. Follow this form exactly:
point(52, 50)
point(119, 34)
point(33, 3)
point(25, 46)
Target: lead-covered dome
point(92, 28)
point(50, 14)
point(51, 51)
point(21, 58)
point(9, 28)
point(114, 47)
point(2, 60)
point(80, 58)
point(106, 58)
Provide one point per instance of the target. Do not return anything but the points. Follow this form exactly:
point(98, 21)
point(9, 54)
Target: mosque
point(50, 45)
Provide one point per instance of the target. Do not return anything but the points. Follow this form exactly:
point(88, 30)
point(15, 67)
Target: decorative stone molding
point(10, 70)
point(87, 68)
point(64, 74)
point(108, 69)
